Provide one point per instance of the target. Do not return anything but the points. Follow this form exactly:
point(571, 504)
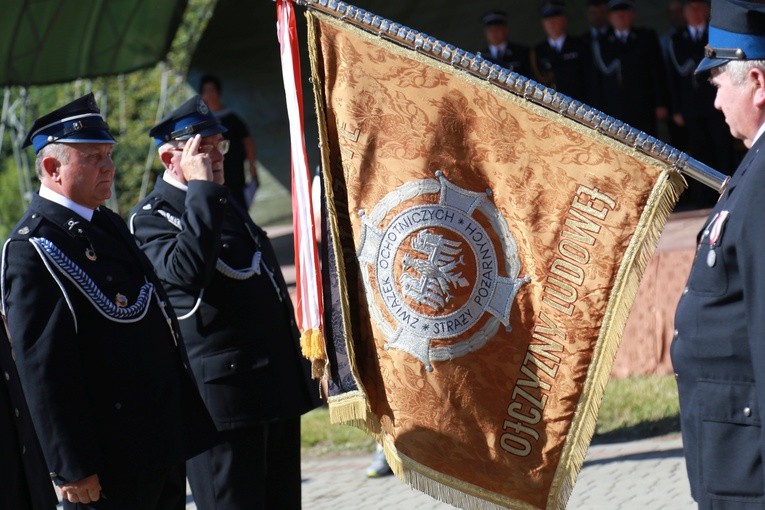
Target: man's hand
point(195, 165)
point(82, 491)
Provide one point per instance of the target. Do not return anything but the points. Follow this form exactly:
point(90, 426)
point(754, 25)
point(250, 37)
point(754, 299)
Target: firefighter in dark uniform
point(236, 317)
point(94, 338)
point(24, 480)
point(561, 62)
point(693, 98)
point(628, 80)
point(719, 348)
point(499, 50)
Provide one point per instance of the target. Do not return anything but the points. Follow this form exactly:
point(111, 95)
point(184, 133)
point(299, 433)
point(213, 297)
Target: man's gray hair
point(738, 69)
point(54, 150)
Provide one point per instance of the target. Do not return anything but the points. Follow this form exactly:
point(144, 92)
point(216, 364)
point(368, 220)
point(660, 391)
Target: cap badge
point(202, 108)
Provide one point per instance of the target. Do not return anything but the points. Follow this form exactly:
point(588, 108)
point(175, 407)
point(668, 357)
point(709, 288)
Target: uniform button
point(34, 215)
point(53, 474)
point(223, 200)
point(118, 406)
point(7, 376)
point(16, 412)
point(676, 334)
point(747, 412)
point(232, 366)
point(685, 291)
point(225, 245)
point(677, 376)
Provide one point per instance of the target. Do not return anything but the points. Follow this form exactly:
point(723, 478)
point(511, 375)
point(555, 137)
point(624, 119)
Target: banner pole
point(521, 86)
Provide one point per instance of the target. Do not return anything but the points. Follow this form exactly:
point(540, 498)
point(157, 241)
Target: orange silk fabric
point(492, 421)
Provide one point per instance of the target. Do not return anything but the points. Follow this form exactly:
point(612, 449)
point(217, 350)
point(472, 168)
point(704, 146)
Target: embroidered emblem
point(146, 207)
point(120, 300)
point(23, 231)
point(436, 286)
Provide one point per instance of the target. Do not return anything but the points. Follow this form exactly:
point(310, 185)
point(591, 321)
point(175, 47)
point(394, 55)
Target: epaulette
point(26, 227)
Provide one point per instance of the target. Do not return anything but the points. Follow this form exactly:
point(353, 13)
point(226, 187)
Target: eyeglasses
point(222, 146)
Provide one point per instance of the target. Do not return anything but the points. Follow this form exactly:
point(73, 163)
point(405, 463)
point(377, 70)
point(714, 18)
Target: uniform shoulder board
point(26, 227)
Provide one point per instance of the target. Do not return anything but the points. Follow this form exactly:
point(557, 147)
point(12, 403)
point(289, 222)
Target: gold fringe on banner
point(560, 473)
point(657, 211)
point(353, 405)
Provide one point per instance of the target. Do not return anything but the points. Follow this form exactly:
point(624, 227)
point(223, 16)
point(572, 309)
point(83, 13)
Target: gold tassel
point(313, 348)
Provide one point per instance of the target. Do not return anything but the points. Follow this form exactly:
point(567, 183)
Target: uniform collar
point(557, 43)
point(61, 200)
point(174, 183)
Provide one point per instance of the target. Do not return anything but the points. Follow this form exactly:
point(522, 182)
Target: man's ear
point(50, 166)
point(166, 158)
point(758, 80)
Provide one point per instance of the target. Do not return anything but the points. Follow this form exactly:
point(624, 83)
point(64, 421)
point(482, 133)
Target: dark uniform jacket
point(106, 385)
point(719, 347)
point(24, 480)
point(692, 95)
point(236, 316)
point(515, 58)
point(566, 71)
point(628, 78)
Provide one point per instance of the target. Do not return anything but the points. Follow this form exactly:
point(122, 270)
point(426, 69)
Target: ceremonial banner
point(484, 254)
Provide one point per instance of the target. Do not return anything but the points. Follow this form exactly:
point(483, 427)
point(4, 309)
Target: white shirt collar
point(498, 50)
point(759, 133)
point(49, 194)
point(557, 43)
point(174, 183)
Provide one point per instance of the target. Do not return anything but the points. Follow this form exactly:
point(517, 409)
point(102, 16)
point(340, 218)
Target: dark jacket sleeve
point(185, 257)
point(44, 340)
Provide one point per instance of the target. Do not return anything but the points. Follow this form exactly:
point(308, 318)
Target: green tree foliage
point(131, 108)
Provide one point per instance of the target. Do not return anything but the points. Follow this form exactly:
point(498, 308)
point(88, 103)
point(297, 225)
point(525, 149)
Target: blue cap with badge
point(552, 8)
point(77, 122)
point(621, 5)
point(736, 32)
point(494, 18)
point(191, 118)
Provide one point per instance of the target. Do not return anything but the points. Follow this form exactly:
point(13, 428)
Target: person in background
point(236, 316)
point(628, 81)
point(693, 98)
point(240, 158)
point(597, 20)
point(95, 341)
point(514, 57)
point(678, 133)
point(718, 352)
point(561, 62)
point(24, 480)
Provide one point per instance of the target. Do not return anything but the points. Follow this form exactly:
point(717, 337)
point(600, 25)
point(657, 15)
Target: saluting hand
point(82, 491)
point(194, 164)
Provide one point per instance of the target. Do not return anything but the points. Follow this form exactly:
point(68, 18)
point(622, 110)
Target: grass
point(318, 437)
point(632, 408)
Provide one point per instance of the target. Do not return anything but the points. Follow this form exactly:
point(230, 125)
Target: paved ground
point(648, 474)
